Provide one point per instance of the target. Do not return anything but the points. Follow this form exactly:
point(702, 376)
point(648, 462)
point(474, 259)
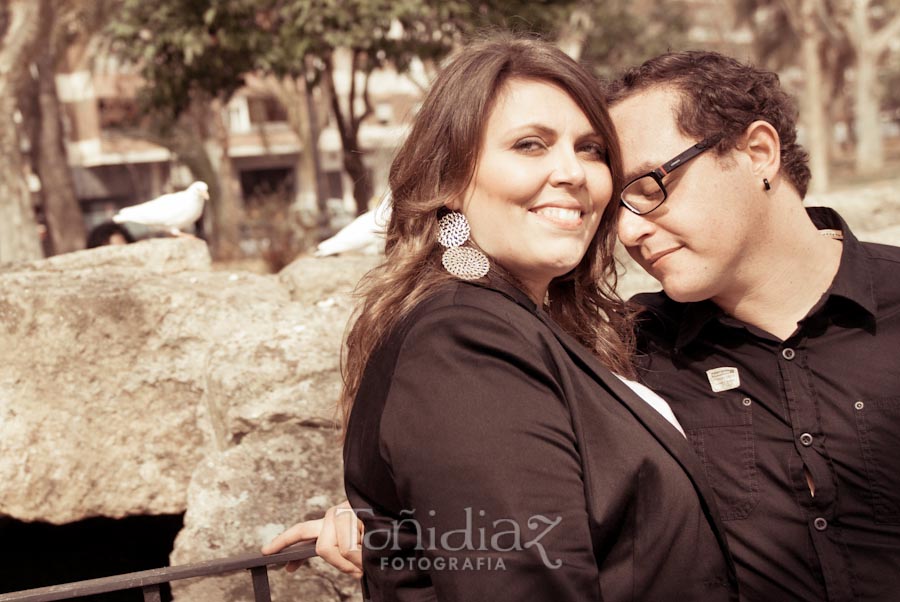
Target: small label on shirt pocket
point(878, 426)
point(723, 438)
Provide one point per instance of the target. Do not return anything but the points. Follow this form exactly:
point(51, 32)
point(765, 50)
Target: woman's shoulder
point(471, 298)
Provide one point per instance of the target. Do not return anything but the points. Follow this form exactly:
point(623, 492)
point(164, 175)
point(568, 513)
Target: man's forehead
point(647, 130)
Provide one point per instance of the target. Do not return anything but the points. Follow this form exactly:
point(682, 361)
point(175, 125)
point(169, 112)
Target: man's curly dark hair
point(721, 95)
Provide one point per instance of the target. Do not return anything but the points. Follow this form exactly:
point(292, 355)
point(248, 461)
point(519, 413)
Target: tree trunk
point(359, 174)
point(294, 96)
point(65, 222)
point(869, 146)
point(19, 239)
point(348, 127)
point(573, 34)
point(813, 99)
point(227, 210)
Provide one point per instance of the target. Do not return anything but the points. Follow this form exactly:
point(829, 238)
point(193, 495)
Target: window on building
point(265, 109)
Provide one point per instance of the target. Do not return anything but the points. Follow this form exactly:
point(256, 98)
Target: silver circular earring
point(466, 263)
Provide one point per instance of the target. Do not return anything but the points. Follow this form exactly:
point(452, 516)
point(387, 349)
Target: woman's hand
point(338, 535)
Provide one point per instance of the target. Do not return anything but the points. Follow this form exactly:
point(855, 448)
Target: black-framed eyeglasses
point(647, 192)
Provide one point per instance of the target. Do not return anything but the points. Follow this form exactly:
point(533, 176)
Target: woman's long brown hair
point(436, 163)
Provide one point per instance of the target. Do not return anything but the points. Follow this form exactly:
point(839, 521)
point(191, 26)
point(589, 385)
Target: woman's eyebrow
point(546, 130)
point(540, 128)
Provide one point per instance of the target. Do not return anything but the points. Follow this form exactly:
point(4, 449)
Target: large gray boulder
point(135, 380)
point(312, 280)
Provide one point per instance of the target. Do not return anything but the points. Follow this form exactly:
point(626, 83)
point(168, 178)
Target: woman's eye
point(529, 145)
point(595, 150)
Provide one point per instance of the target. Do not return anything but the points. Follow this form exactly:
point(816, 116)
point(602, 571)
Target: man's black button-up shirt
point(772, 420)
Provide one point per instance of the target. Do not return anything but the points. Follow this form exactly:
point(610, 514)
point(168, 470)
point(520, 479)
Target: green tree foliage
point(624, 33)
point(188, 47)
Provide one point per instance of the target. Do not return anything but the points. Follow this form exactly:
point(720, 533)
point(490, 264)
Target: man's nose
point(633, 228)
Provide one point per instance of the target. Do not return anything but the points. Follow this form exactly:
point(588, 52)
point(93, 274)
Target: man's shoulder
point(883, 252)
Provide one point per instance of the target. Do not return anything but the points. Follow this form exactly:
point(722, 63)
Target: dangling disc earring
point(466, 263)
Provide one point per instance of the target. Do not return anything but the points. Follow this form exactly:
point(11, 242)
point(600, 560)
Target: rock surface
point(159, 255)
point(312, 280)
point(241, 498)
point(137, 381)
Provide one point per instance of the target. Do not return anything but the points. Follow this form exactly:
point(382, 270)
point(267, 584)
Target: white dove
point(364, 234)
point(173, 212)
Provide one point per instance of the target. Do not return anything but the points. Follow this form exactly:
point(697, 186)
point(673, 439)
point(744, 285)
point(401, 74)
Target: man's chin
point(685, 293)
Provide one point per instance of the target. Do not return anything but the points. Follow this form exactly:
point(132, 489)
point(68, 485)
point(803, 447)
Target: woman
point(490, 450)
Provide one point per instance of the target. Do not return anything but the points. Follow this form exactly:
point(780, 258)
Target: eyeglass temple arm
point(684, 157)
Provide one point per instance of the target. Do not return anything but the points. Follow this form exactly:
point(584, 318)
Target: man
point(775, 340)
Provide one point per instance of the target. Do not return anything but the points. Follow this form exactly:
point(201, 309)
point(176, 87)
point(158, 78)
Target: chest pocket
point(878, 426)
point(723, 439)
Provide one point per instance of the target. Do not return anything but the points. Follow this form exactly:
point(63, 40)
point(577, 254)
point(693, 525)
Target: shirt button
point(746, 401)
point(806, 439)
point(788, 353)
point(820, 524)
point(859, 405)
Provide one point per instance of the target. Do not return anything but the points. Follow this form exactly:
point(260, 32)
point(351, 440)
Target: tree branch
point(793, 15)
point(367, 101)
point(351, 100)
point(827, 20)
point(857, 38)
point(884, 36)
point(328, 79)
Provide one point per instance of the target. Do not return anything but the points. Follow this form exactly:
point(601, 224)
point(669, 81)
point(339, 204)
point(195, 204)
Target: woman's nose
point(567, 169)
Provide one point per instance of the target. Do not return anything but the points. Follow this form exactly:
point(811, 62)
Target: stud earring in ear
point(766, 184)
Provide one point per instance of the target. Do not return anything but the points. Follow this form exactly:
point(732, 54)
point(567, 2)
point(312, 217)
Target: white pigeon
point(365, 234)
point(173, 212)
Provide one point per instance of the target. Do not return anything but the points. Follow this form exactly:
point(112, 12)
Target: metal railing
point(151, 580)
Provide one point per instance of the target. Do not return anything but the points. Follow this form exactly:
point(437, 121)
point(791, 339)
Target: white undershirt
point(656, 402)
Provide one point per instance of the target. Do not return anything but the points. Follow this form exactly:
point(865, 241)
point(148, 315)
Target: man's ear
point(762, 146)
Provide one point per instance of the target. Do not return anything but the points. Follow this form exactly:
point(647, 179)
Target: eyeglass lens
point(643, 195)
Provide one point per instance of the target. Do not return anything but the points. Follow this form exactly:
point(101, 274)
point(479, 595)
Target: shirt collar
point(853, 280)
point(695, 317)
